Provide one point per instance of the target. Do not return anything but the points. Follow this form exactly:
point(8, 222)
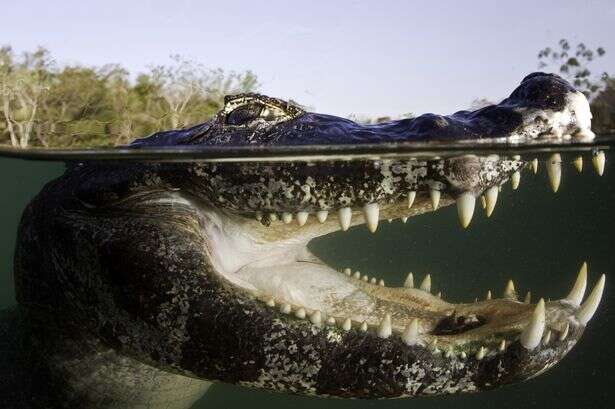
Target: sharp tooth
point(363, 326)
point(302, 218)
point(481, 353)
point(534, 165)
point(404, 219)
point(578, 163)
point(599, 160)
point(509, 291)
point(347, 271)
point(357, 275)
point(502, 346)
point(465, 208)
point(463, 355)
point(515, 179)
point(300, 313)
point(435, 198)
point(426, 283)
point(384, 329)
point(285, 308)
point(411, 197)
point(532, 334)
point(331, 321)
point(321, 215)
point(271, 302)
point(347, 325)
point(488, 295)
point(491, 198)
point(528, 297)
point(287, 217)
point(589, 307)
point(450, 353)
point(316, 318)
point(547, 338)
point(554, 170)
point(365, 278)
point(564, 333)
point(410, 336)
point(389, 220)
point(483, 202)
point(578, 289)
point(381, 283)
point(371, 212)
point(273, 217)
point(345, 216)
point(439, 294)
point(409, 283)
point(373, 280)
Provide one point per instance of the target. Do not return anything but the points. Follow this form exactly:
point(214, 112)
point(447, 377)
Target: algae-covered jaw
point(202, 269)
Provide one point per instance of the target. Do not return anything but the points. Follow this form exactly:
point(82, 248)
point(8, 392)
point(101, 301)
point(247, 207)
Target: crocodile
point(138, 283)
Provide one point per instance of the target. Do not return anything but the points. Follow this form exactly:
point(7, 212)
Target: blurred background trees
point(42, 104)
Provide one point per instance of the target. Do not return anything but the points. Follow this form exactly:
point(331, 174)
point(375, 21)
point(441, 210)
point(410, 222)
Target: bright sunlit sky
point(341, 57)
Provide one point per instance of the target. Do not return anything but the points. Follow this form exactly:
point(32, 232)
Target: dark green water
point(534, 236)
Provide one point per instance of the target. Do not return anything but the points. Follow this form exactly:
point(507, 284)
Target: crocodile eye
point(244, 114)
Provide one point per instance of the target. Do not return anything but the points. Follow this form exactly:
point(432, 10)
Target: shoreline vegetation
point(43, 104)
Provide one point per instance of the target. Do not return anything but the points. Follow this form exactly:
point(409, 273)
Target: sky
point(364, 58)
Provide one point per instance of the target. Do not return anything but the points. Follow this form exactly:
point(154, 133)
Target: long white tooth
point(554, 170)
point(515, 179)
point(371, 212)
point(302, 218)
point(599, 160)
point(491, 198)
point(347, 271)
point(426, 283)
point(316, 318)
point(564, 333)
point(532, 334)
point(589, 307)
point(287, 217)
point(321, 215)
point(509, 291)
point(465, 208)
point(384, 329)
point(534, 165)
point(345, 216)
point(300, 313)
point(363, 326)
point(410, 336)
point(528, 297)
point(404, 219)
point(502, 346)
point(285, 308)
point(488, 295)
point(483, 202)
point(578, 163)
point(435, 198)
point(409, 283)
point(411, 197)
point(481, 353)
point(578, 289)
point(271, 302)
point(347, 325)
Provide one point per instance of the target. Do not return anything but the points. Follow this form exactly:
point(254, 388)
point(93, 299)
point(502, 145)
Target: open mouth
point(257, 239)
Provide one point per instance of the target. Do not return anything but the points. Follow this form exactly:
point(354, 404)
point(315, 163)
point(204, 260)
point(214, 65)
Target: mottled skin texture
point(114, 272)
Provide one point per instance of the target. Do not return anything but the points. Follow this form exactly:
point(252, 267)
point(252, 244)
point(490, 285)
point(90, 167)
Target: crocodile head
point(203, 269)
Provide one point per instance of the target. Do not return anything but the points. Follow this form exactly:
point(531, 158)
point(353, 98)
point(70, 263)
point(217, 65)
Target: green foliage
point(75, 106)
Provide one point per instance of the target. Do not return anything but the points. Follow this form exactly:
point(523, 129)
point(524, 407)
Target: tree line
point(42, 104)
